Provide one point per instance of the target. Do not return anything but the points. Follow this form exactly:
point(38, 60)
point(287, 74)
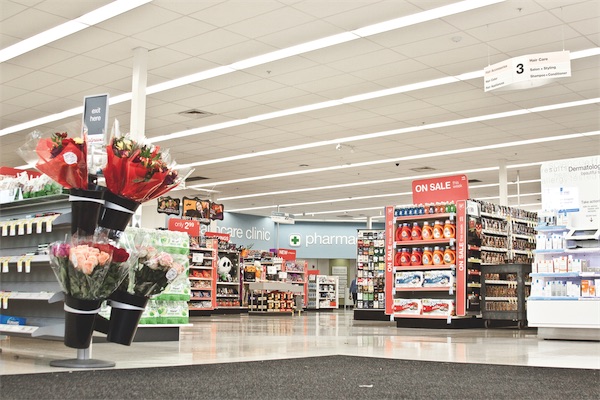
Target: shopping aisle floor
point(230, 338)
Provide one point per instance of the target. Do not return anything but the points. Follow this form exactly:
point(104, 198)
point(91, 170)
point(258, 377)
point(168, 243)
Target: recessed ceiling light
point(195, 113)
point(303, 165)
point(423, 169)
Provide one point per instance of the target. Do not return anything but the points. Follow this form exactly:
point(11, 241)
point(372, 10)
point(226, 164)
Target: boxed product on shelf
point(437, 307)
point(409, 278)
point(408, 306)
point(11, 320)
point(438, 278)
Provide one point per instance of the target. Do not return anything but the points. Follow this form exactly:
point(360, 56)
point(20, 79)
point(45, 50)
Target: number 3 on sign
point(520, 69)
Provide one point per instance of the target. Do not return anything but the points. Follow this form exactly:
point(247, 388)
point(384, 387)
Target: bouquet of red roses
point(135, 173)
point(62, 158)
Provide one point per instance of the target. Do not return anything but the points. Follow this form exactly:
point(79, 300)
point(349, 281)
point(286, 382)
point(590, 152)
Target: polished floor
point(229, 338)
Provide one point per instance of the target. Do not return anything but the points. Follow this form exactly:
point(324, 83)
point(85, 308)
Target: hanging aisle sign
point(528, 71)
point(95, 117)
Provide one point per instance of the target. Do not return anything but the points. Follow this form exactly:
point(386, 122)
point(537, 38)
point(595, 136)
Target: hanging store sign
point(448, 188)
point(189, 226)
point(168, 205)
point(95, 117)
point(282, 218)
point(528, 71)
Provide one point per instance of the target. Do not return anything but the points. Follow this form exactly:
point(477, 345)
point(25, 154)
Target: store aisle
point(230, 338)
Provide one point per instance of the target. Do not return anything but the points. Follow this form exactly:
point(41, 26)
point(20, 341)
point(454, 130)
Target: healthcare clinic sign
point(434, 190)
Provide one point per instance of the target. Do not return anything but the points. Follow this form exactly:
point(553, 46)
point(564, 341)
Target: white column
point(503, 181)
point(369, 223)
point(138, 93)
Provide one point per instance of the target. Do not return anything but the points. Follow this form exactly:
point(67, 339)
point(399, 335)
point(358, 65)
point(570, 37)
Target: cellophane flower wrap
point(155, 269)
point(62, 158)
point(87, 270)
point(140, 171)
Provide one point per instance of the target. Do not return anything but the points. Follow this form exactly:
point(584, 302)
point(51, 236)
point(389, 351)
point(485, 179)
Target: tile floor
point(229, 338)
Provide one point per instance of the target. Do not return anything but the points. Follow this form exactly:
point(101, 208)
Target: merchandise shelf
point(423, 267)
point(421, 217)
point(494, 249)
point(193, 278)
point(493, 232)
point(423, 289)
point(424, 242)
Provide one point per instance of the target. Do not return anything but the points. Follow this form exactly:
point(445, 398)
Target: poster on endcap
point(572, 188)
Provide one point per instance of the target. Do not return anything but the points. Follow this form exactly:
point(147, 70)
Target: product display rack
point(203, 275)
point(297, 274)
point(370, 270)
point(31, 295)
point(323, 292)
point(426, 290)
point(228, 294)
point(564, 302)
point(504, 290)
point(274, 298)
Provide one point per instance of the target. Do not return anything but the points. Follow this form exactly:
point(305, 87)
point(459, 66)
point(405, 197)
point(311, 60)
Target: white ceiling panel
point(186, 37)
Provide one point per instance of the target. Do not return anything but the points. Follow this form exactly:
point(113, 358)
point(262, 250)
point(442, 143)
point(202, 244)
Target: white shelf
point(493, 232)
point(193, 278)
point(23, 329)
point(228, 283)
point(45, 296)
point(522, 236)
point(494, 249)
point(500, 282)
point(583, 250)
point(501, 298)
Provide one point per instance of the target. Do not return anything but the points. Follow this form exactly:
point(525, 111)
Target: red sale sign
point(448, 188)
point(189, 226)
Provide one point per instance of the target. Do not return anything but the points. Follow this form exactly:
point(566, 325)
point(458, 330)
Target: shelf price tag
point(49, 221)
point(21, 230)
point(28, 264)
point(5, 228)
point(5, 300)
point(20, 264)
point(38, 225)
point(5, 261)
point(30, 226)
point(13, 228)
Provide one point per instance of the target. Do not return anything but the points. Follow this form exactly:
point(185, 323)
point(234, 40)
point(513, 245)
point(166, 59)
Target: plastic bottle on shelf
point(431, 208)
point(438, 256)
point(416, 257)
point(404, 257)
point(427, 256)
point(405, 232)
point(449, 230)
point(415, 232)
point(438, 230)
point(449, 255)
point(426, 231)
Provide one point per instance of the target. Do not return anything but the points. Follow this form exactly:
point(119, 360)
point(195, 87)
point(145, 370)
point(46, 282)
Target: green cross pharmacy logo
point(295, 240)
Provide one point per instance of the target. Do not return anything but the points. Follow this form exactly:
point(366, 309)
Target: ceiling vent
point(344, 216)
point(423, 169)
point(195, 179)
point(474, 181)
point(195, 113)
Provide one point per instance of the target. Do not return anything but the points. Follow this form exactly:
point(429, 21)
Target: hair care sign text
point(448, 188)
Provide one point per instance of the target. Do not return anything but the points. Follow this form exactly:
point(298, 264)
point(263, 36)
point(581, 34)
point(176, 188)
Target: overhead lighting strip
point(333, 40)
point(70, 27)
point(406, 158)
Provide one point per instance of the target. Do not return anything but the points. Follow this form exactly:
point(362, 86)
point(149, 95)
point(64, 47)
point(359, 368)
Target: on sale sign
point(447, 188)
point(189, 226)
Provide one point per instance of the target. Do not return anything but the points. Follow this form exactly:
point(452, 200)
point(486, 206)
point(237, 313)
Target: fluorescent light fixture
point(68, 28)
point(265, 58)
point(425, 16)
point(406, 158)
point(374, 135)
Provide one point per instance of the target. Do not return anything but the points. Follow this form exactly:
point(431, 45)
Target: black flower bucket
point(125, 314)
point(117, 212)
point(86, 206)
point(79, 321)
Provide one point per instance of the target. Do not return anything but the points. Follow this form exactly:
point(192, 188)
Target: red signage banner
point(447, 188)
point(287, 254)
point(189, 226)
point(461, 258)
point(223, 237)
point(389, 260)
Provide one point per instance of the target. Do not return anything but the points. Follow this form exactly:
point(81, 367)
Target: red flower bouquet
point(135, 173)
point(64, 160)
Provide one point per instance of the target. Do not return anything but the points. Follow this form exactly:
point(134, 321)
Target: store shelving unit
point(274, 298)
point(564, 303)
point(297, 274)
point(370, 273)
point(228, 294)
point(430, 291)
point(323, 292)
point(28, 287)
point(203, 276)
point(504, 290)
